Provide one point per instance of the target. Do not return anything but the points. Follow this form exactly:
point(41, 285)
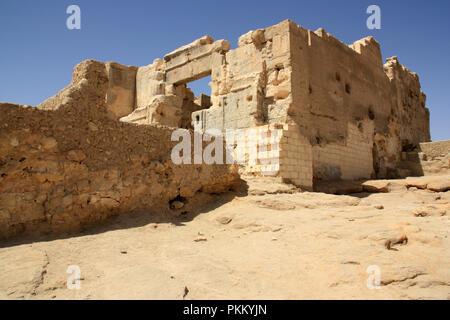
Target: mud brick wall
point(65, 163)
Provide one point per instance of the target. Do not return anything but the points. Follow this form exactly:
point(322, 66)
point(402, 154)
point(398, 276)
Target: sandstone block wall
point(337, 85)
point(120, 96)
point(435, 149)
point(289, 75)
point(434, 157)
point(431, 158)
point(250, 84)
point(296, 158)
point(266, 162)
point(66, 163)
point(193, 61)
point(275, 150)
point(150, 82)
point(349, 161)
point(255, 149)
point(162, 96)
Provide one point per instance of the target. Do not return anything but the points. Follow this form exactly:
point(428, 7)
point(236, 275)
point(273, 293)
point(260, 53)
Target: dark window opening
point(371, 113)
point(338, 76)
point(347, 88)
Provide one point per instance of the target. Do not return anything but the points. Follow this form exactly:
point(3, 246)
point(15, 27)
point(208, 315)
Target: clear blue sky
point(38, 52)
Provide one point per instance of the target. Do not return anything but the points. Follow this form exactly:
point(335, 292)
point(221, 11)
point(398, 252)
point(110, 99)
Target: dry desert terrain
point(269, 242)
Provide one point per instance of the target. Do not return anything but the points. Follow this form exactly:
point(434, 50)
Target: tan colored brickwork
point(352, 160)
point(256, 149)
point(431, 158)
point(277, 150)
point(296, 159)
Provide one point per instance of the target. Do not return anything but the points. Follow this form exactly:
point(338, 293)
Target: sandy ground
point(272, 243)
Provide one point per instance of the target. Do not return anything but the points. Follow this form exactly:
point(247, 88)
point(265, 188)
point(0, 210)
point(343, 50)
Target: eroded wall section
point(66, 163)
point(251, 84)
point(358, 114)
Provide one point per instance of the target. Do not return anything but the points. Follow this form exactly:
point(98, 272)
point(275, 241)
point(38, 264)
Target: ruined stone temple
point(102, 145)
point(344, 114)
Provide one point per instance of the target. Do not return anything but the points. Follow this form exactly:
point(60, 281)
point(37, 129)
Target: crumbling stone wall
point(66, 163)
point(351, 160)
point(431, 158)
point(162, 96)
point(121, 93)
point(435, 157)
point(353, 114)
point(296, 157)
point(251, 84)
point(342, 114)
point(340, 87)
point(274, 150)
point(357, 114)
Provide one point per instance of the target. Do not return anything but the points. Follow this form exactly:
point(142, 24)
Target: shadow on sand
point(140, 218)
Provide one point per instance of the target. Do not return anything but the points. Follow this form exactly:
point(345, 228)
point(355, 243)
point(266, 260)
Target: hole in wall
point(196, 97)
point(200, 86)
point(360, 127)
point(347, 88)
point(408, 146)
point(279, 67)
point(173, 202)
point(338, 76)
point(310, 89)
point(371, 113)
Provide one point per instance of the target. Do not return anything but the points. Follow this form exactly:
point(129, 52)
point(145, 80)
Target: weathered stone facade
point(431, 158)
point(340, 114)
point(355, 114)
